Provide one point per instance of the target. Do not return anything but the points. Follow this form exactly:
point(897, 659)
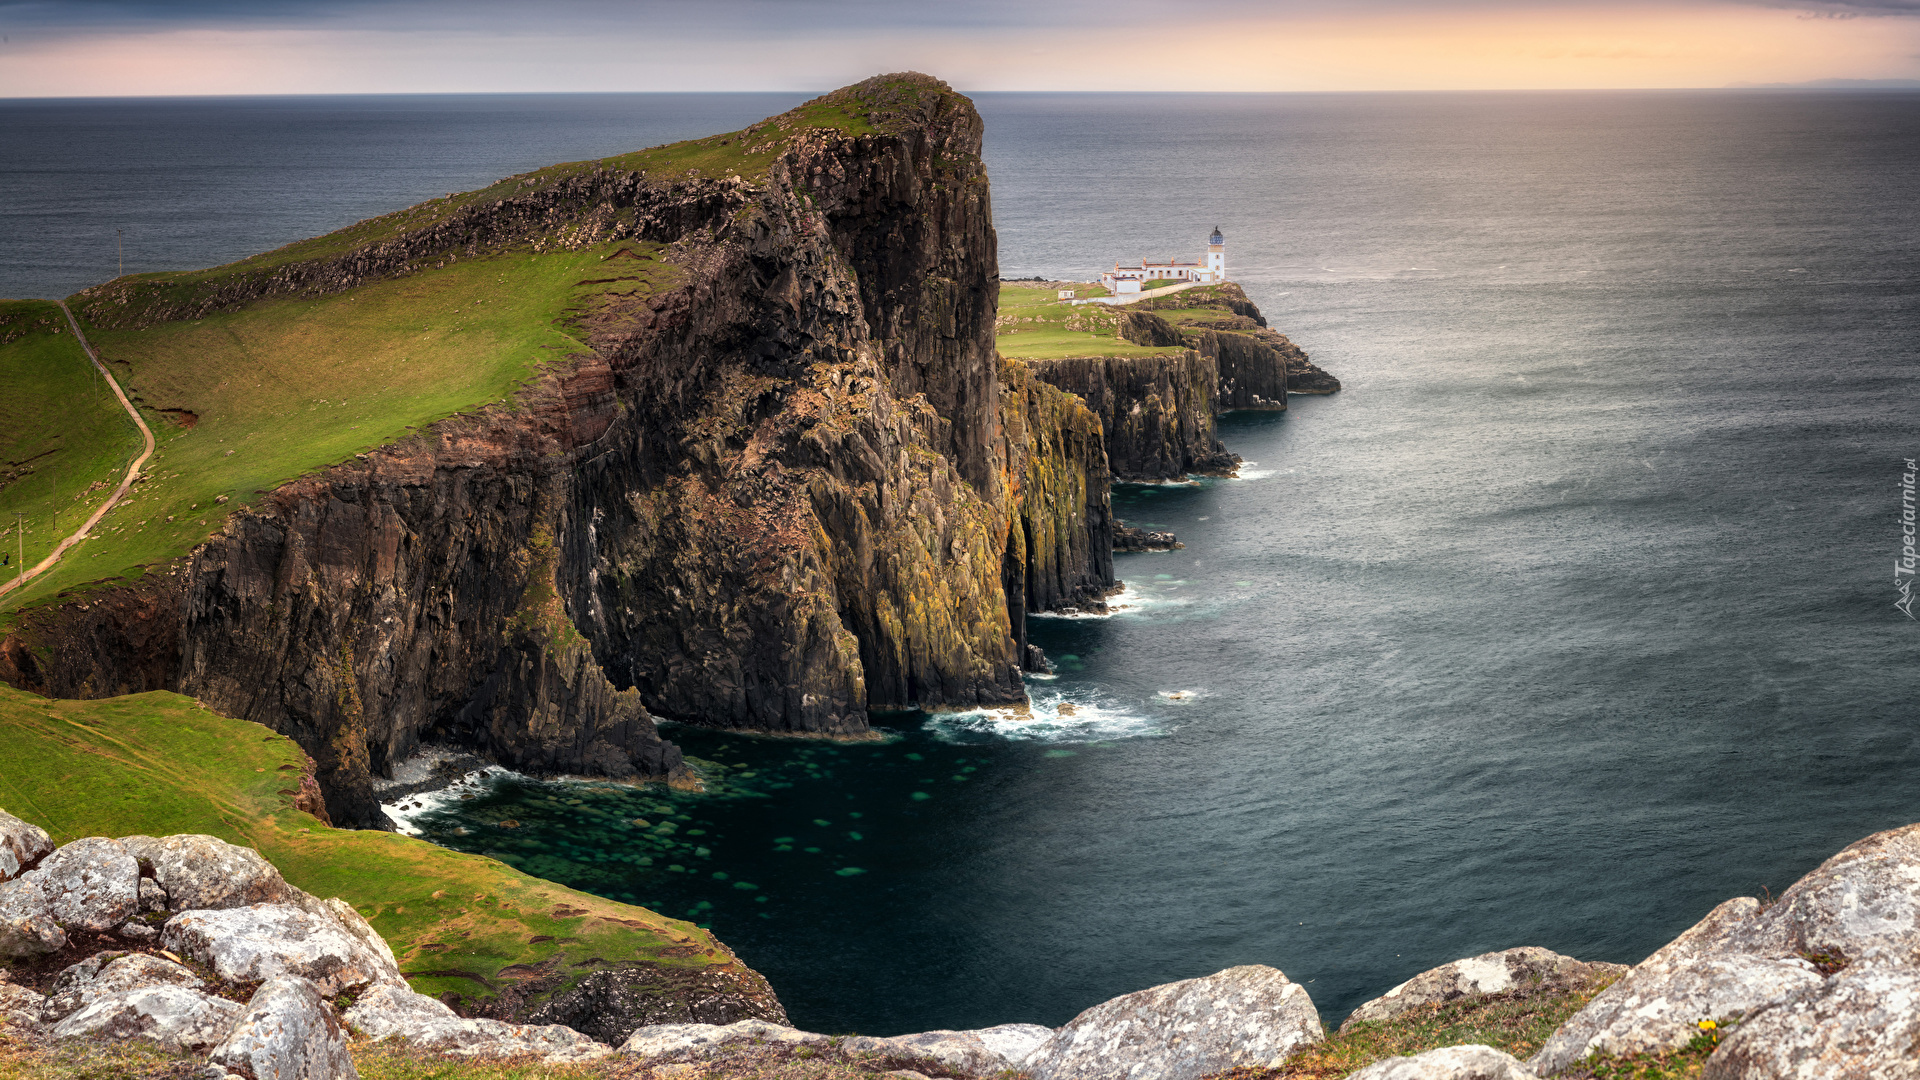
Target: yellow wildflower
point(1708, 1025)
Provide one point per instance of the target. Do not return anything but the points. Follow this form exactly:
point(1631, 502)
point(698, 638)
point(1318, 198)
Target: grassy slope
point(283, 387)
point(160, 763)
point(64, 441)
point(1034, 325)
point(292, 386)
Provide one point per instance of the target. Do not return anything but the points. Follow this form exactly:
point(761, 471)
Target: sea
point(1573, 614)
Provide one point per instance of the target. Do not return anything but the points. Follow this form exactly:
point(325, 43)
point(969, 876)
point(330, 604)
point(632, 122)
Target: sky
point(61, 48)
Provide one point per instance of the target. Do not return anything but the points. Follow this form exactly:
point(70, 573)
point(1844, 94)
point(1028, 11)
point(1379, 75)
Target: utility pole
point(119, 239)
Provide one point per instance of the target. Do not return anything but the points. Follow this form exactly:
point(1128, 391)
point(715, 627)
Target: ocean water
point(1570, 617)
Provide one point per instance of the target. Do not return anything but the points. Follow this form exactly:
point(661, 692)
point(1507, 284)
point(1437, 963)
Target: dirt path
point(133, 471)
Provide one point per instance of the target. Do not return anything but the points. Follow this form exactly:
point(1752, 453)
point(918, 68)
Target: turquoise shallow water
point(1569, 618)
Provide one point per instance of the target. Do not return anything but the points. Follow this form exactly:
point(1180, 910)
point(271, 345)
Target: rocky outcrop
point(27, 925)
point(1130, 538)
point(391, 1011)
point(22, 846)
point(264, 941)
point(1471, 1062)
point(774, 495)
point(1243, 1016)
point(288, 1030)
point(1806, 978)
point(1527, 968)
point(174, 1017)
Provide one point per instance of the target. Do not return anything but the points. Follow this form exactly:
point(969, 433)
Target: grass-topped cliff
point(159, 764)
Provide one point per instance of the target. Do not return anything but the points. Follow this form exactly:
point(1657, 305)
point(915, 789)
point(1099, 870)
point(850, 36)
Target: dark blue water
point(1570, 617)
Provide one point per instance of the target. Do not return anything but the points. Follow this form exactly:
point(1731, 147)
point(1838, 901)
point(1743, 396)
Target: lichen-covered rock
point(1251, 1015)
point(389, 1011)
point(1158, 412)
point(1698, 976)
point(27, 926)
point(612, 1003)
point(1472, 1062)
point(19, 1006)
point(287, 1031)
point(263, 941)
point(1478, 976)
point(106, 974)
point(1864, 1024)
point(205, 872)
point(962, 1050)
point(21, 843)
point(1865, 898)
point(1013, 1041)
point(173, 1016)
point(90, 884)
point(701, 1040)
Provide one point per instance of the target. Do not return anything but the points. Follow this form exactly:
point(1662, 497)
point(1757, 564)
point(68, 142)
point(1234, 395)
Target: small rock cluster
point(1825, 982)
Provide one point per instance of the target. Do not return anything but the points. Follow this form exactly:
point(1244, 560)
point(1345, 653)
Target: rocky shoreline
point(201, 948)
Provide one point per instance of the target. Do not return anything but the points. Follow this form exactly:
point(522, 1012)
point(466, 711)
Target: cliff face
point(1158, 412)
point(790, 489)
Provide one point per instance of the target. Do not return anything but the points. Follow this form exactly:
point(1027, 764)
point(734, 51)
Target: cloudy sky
point(93, 47)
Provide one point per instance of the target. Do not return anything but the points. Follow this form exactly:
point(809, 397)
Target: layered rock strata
point(787, 490)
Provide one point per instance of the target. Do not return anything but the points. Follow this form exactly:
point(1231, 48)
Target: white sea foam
point(1128, 599)
point(1053, 717)
point(1182, 697)
point(407, 811)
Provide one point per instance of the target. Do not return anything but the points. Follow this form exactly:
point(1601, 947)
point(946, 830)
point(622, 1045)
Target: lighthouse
point(1216, 256)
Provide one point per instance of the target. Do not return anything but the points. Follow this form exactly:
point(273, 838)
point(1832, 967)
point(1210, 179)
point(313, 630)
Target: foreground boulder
point(90, 884)
point(701, 1040)
point(21, 845)
point(263, 941)
point(1470, 1062)
point(27, 926)
point(1251, 1015)
point(105, 974)
point(390, 1011)
point(193, 871)
point(287, 1032)
point(1865, 1022)
point(20, 1006)
point(1770, 966)
point(988, 1050)
point(172, 1016)
point(1479, 976)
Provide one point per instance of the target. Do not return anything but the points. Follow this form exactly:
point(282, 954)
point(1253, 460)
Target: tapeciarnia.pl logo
point(1903, 566)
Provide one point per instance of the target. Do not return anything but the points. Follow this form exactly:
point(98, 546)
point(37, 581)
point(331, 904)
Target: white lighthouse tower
point(1216, 256)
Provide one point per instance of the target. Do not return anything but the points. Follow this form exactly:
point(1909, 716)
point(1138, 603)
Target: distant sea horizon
point(1569, 617)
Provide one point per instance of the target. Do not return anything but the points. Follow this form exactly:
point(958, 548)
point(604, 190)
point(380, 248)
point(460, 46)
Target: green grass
point(285, 387)
point(1034, 324)
point(160, 763)
point(65, 442)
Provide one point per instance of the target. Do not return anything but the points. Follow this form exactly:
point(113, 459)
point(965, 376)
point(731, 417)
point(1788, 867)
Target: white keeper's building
point(1125, 279)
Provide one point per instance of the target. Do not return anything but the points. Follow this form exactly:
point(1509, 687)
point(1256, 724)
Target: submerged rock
point(1129, 538)
point(1472, 1062)
point(1252, 1015)
point(263, 941)
point(90, 884)
point(1478, 976)
point(287, 1032)
point(21, 845)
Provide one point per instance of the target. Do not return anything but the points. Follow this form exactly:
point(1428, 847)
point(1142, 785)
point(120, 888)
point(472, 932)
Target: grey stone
point(1478, 976)
point(1013, 1041)
point(1251, 1015)
point(200, 872)
point(137, 930)
point(389, 1011)
point(152, 896)
point(21, 843)
point(20, 1006)
point(1862, 1024)
point(1471, 1062)
point(1741, 959)
point(106, 974)
point(173, 1016)
point(92, 883)
point(700, 1040)
point(287, 1032)
point(263, 941)
point(962, 1050)
point(27, 927)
